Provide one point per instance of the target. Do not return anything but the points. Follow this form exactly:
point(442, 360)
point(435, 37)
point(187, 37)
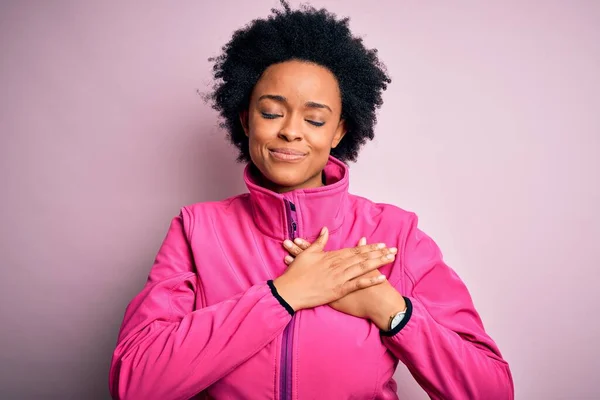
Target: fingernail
point(288, 243)
point(289, 258)
point(298, 241)
point(390, 256)
point(393, 250)
point(381, 245)
point(323, 230)
point(381, 278)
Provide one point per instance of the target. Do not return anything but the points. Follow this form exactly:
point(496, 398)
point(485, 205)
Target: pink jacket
point(207, 323)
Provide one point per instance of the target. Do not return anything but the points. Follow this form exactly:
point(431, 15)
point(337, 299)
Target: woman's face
point(292, 123)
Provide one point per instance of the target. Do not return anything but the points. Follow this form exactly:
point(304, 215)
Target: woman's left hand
point(377, 303)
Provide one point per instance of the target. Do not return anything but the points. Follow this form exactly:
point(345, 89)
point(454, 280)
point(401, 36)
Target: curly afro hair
point(310, 35)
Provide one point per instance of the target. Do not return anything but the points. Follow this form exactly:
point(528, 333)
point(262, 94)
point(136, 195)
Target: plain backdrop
point(490, 132)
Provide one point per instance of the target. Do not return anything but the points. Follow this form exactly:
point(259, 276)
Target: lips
point(286, 154)
point(291, 152)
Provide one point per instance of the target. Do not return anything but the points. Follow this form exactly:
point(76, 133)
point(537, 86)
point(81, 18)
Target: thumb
point(321, 241)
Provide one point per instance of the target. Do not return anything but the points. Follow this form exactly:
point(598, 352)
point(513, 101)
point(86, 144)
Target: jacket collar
point(315, 208)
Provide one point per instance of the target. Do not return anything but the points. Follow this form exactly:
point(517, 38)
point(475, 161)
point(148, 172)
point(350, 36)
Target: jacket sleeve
point(168, 349)
point(441, 339)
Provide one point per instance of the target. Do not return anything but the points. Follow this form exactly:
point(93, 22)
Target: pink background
point(490, 132)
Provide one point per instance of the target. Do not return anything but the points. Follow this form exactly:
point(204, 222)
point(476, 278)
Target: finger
point(291, 247)
point(362, 283)
point(365, 266)
point(355, 259)
point(303, 244)
point(351, 251)
point(348, 259)
point(288, 260)
point(321, 241)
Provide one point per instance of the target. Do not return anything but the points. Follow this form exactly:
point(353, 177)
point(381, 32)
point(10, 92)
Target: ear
point(244, 121)
point(340, 132)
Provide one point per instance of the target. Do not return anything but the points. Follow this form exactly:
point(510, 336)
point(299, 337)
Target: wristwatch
point(396, 319)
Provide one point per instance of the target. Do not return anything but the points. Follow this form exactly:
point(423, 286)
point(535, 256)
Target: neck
point(313, 182)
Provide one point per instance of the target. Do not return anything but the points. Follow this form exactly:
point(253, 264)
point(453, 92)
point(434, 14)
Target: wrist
point(381, 316)
point(286, 293)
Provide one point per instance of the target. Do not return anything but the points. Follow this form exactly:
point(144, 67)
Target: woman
point(276, 294)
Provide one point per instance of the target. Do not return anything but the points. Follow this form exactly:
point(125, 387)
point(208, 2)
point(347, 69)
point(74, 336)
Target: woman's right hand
point(318, 277)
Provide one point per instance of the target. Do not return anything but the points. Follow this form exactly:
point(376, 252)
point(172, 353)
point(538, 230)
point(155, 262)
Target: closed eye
point(270, 116)
point(315, 123)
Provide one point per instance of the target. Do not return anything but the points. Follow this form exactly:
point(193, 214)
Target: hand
point(318, 277)
point(376, 303)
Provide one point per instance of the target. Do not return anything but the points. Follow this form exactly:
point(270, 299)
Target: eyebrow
point(281, 99)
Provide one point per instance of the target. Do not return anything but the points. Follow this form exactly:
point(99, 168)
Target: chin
point(284, 176)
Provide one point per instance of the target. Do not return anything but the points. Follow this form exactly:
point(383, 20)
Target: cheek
point(323, 140)
point(261, 131)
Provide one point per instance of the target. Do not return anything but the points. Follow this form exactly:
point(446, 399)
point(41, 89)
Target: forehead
point(300, 81)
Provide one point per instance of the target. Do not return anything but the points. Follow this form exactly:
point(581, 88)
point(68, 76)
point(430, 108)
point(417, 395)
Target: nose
point(291, 129)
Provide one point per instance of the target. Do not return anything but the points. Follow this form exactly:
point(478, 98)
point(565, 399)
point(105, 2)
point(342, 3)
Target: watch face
point(397, 319)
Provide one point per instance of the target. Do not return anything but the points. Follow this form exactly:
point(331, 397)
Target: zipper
point(285, 384)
